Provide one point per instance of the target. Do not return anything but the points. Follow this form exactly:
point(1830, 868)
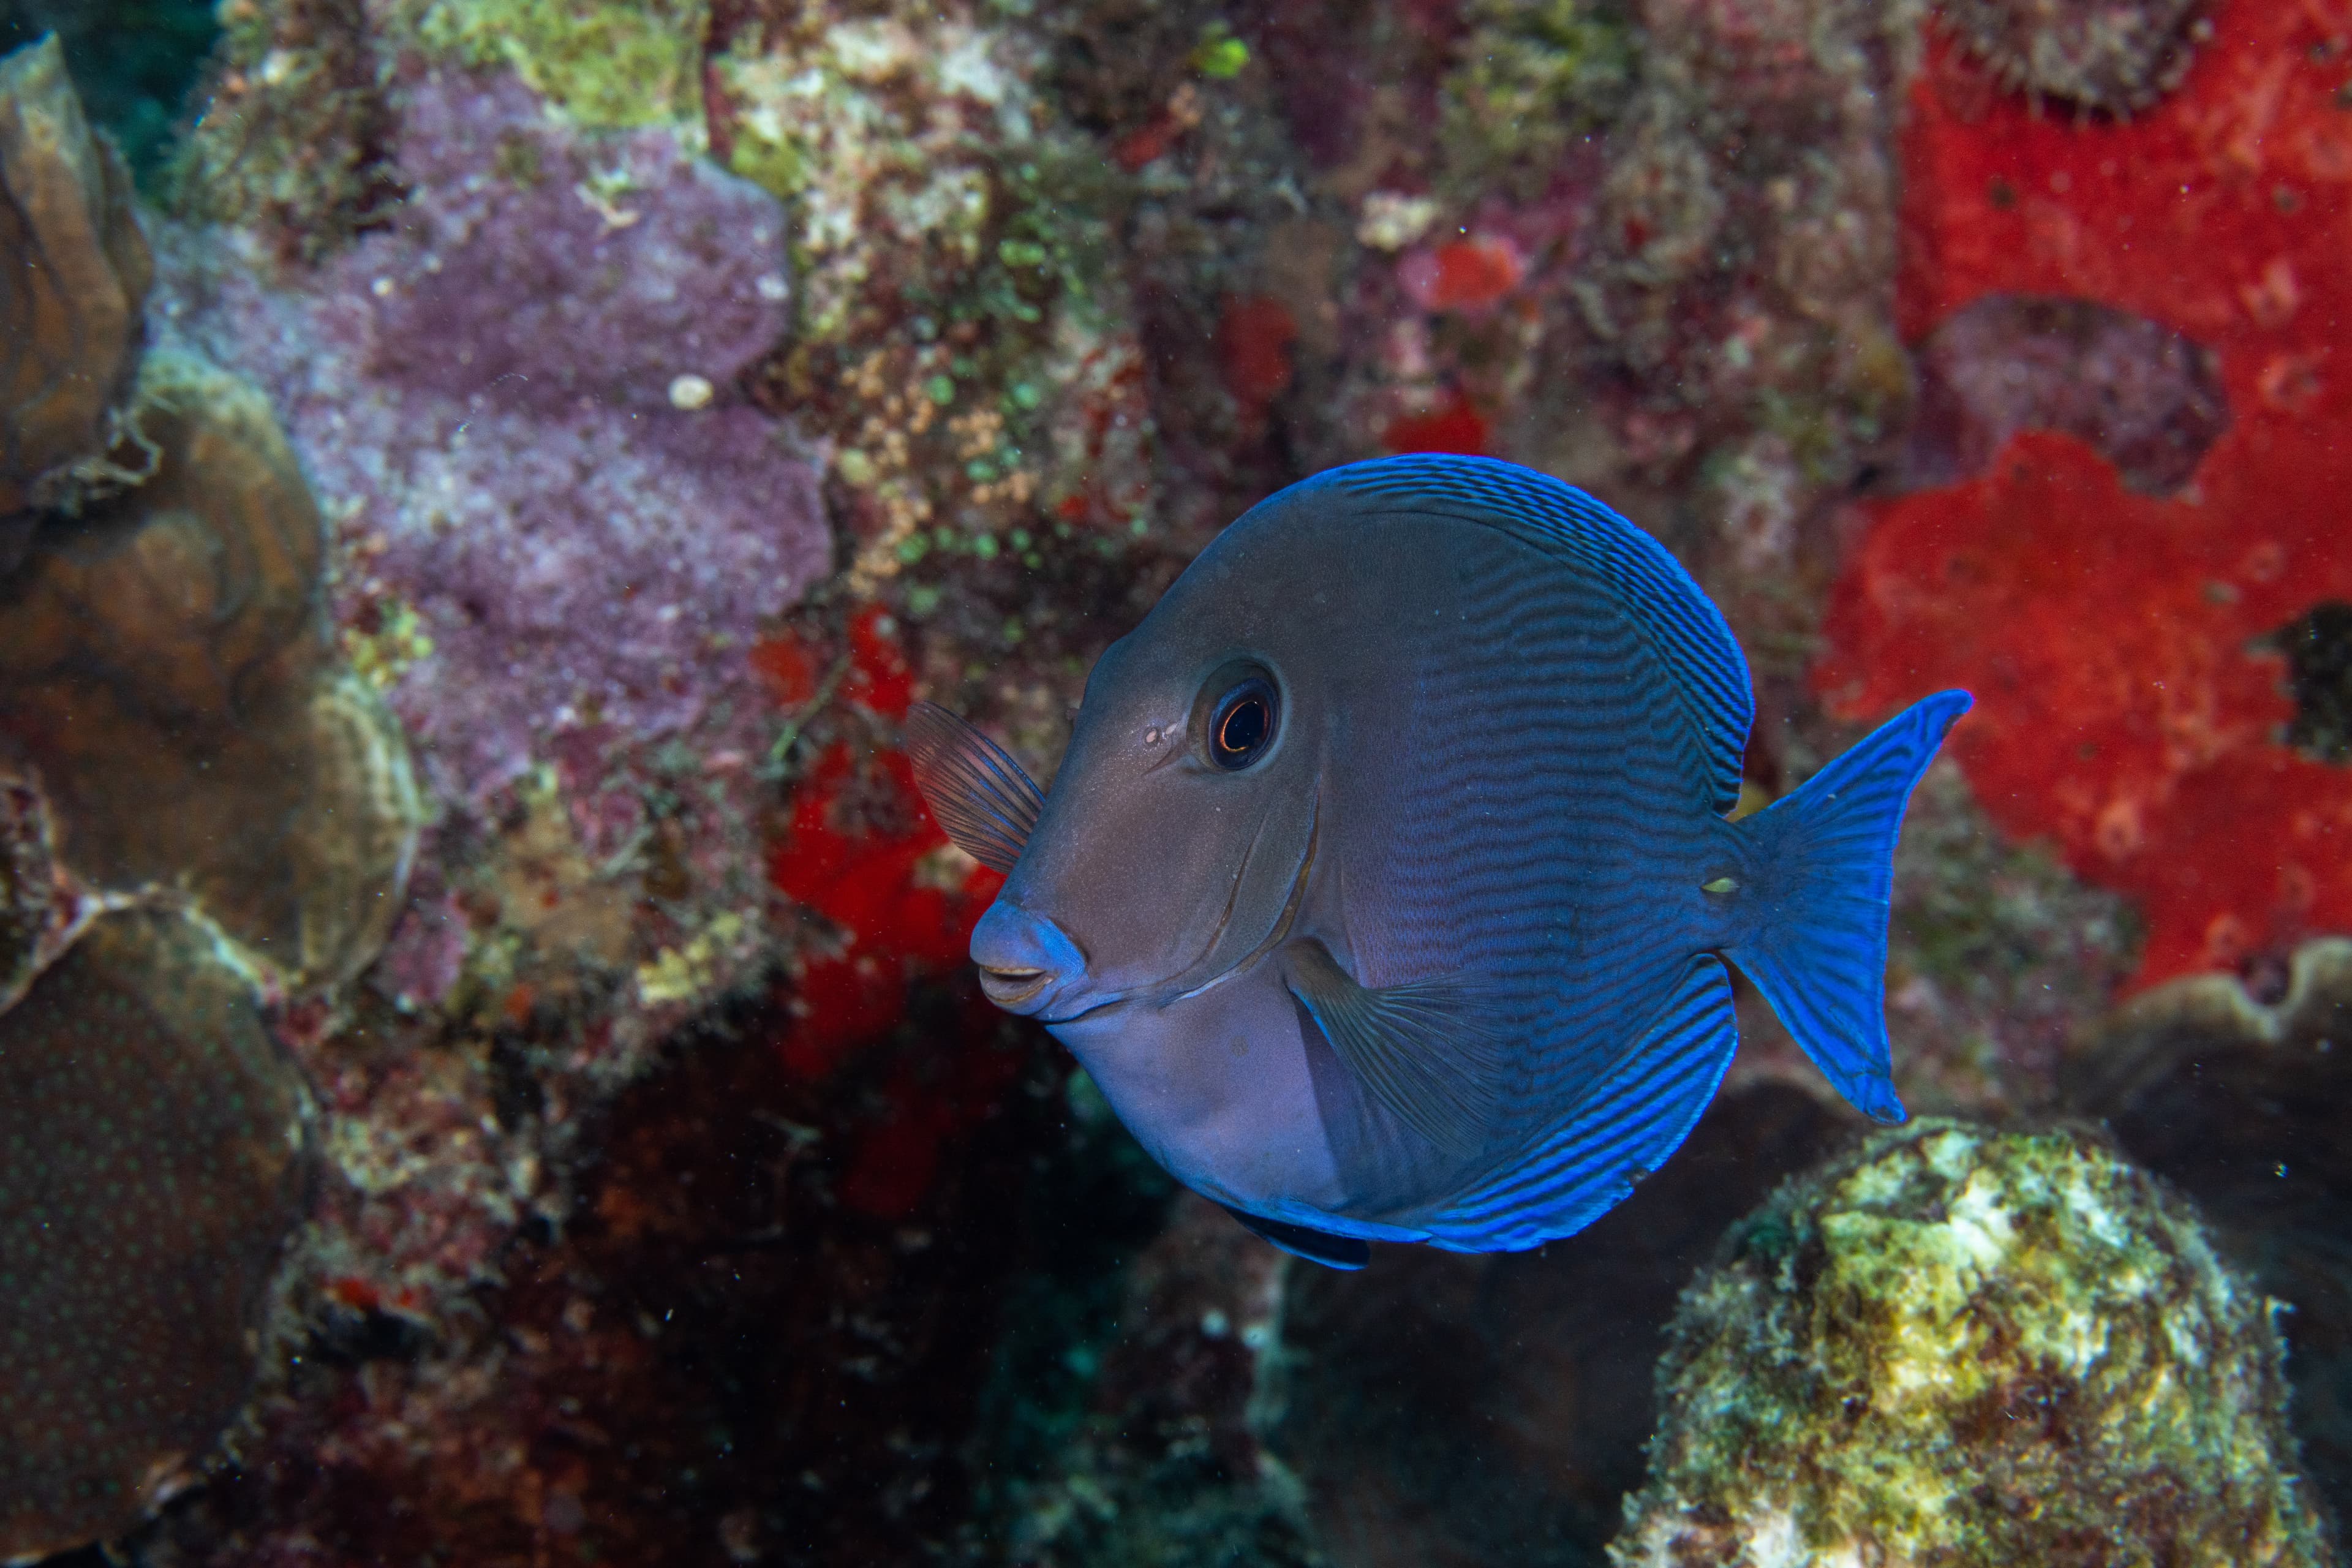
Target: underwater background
point(489, 1069)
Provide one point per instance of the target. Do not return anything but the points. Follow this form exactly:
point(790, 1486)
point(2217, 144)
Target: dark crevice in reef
point(135, 62)
point(2318, 649)
point(2237, 1102)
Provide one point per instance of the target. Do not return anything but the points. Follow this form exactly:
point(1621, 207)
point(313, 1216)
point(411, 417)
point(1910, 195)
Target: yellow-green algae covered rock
point(1965, 1348)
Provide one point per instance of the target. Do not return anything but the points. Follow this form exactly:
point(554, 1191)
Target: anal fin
point(1299, 1241)
point(1623, 1125)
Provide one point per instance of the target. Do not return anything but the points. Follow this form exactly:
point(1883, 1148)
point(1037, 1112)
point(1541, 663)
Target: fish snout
point(1025, 960)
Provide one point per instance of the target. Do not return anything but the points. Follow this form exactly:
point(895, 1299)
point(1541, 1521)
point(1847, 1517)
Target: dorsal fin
point(982, 799)
point(1680, 622)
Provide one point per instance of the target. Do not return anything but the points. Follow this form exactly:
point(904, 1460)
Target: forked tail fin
point(1813, 939)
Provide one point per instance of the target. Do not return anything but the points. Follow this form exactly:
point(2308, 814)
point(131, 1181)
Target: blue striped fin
point(1816, 945)
point(1624, 1126)
point(1680, 621)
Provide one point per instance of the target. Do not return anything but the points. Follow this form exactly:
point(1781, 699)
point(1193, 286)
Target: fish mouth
point(1008, 988)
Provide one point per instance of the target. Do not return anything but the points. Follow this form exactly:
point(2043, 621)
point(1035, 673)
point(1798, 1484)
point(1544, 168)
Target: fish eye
point(1241, 722)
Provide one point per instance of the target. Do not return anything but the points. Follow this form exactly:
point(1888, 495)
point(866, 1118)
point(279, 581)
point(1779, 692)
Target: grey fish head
point(1179, 834)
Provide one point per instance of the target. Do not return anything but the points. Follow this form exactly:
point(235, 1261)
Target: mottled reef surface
point(488, 1072)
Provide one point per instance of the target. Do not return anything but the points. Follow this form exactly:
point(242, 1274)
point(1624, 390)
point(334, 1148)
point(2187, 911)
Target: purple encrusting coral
point(520, 407)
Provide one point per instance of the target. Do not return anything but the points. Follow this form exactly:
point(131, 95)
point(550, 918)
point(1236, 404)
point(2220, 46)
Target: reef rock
point(2240, 1103)
point(1967, 1348)
point(157, 1155)
point(69, 297)
point(2112, 56)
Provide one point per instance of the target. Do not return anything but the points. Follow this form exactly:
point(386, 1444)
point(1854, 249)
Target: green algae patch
point(1531, 80)
point(632, 62)
point(1971, 1349)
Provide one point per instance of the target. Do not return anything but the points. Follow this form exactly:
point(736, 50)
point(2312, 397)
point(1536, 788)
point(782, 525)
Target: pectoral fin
point(981, 798)
point(1315, 1246)
point(1419, 1048)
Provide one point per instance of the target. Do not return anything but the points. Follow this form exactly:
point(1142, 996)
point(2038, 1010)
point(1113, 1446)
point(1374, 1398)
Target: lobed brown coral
point(198, 805)
point(28, 886)
point(167, 647)
point(70, 299)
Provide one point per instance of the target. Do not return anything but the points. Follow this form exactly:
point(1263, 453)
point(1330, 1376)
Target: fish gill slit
point(1281, 931)
point(1225, 915)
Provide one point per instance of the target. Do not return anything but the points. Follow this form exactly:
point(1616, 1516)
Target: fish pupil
point(1241, 724)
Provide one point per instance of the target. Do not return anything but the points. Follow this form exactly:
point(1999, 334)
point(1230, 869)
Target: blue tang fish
point(1386, 887)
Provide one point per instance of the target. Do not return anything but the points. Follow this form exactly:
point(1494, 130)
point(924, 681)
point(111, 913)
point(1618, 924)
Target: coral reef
point(643, 403)
point(2144, 736)
point(69, 314)
point(2114, 56)
point(560, 532)
point(1738, 293)
point(712, 1355)
point(1964, 1347)
point(2233, 1101)
point(485, 397)
point(158, 1156)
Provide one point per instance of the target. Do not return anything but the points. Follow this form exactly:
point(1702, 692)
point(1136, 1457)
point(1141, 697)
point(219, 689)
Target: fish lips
point(1027, 962)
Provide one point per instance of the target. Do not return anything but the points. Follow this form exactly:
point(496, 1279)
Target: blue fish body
point(1387, 887)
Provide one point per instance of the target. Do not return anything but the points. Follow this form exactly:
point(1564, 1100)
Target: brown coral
point(156, 1159)
point(165, 650)
point(70, 299)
